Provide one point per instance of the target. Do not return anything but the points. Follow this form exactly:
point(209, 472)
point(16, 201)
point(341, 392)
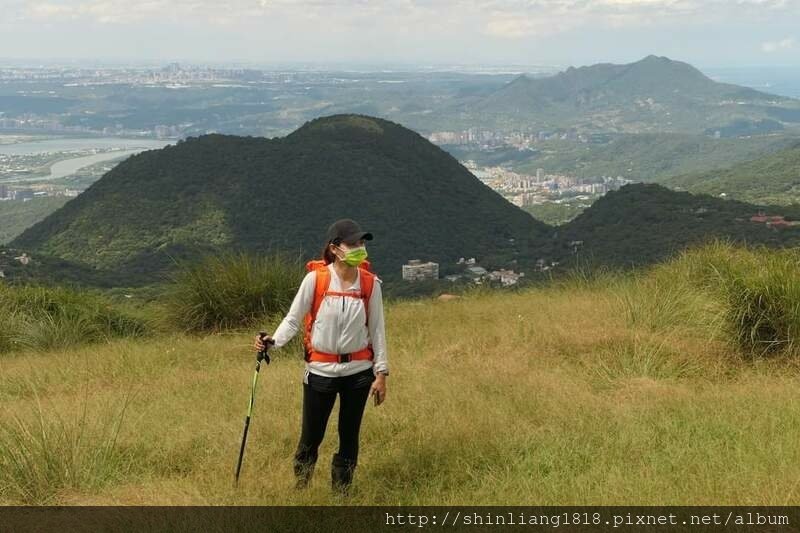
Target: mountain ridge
point(643, 223)
point(225, 191)
point(655, 93)
point(773, 178)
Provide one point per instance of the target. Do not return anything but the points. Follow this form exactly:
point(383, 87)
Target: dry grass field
point(606, 390)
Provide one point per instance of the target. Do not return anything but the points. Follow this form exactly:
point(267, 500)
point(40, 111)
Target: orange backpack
point(322, 283)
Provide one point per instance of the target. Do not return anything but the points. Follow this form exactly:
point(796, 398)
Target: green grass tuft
point(748, 296)
point(45, 318)
point(231, 290)
point(45, 453)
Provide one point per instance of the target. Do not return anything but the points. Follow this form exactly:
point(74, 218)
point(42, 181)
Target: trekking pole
point(260, 356)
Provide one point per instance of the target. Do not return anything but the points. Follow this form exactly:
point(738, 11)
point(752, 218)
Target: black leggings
point(319, 395)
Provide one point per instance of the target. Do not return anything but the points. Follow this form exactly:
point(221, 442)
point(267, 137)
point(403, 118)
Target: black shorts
point(353, 381)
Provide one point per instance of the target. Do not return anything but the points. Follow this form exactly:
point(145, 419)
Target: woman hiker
point(340, 303)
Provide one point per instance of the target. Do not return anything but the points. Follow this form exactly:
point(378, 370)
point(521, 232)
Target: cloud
point(101, 11)
point(401, 19)
point(499, 17)
point(537, 18)
point(514, 26)
point(775, 46)
point(213, 11)
point(50, 10)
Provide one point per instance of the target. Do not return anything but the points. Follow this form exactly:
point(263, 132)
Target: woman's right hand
point(259, 345)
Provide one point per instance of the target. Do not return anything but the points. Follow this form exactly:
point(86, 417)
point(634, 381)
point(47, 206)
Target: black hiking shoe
point(303, 472)
point(342, 474)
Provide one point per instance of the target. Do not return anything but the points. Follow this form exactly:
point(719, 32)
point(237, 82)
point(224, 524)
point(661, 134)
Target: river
point(121, 148)
point(79, 143)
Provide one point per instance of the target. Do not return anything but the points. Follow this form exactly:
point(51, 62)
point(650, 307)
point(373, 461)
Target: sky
point(554, 33)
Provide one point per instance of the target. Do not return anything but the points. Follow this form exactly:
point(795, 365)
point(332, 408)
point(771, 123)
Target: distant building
point(476, 272)
point(417, 270)
point(23, 194)
point(779, 222)
point(772, 220)
point(506, 277)
point(161, 131)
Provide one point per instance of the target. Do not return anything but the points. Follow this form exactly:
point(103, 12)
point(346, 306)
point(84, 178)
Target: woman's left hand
point(378, 388)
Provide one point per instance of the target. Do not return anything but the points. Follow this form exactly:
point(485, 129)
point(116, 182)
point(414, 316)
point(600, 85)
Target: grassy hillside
point(770, 179)
point(650, 156)
point(226, 192)
point(605, 389)
point(44, 268)
point(16, 216)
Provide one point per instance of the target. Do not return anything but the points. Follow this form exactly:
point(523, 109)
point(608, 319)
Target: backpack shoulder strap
point(315, 264)
point(322, 281)
point(367, 283)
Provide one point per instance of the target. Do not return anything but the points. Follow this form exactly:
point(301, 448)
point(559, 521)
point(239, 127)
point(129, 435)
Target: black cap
point(348, 231)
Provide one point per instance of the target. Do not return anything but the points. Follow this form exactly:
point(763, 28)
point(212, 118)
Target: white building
point(417, 270)
point(506, 277)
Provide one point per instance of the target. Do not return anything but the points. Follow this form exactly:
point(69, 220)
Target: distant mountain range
point(654, 94)
point(222, 192)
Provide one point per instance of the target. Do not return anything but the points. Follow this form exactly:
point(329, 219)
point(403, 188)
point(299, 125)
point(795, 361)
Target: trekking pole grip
point(263, 354)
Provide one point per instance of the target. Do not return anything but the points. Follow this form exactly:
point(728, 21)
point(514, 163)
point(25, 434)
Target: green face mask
point(355, 256)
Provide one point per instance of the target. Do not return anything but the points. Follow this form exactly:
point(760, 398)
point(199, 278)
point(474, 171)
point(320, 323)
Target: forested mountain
point(771, 179)
point(654, 94)
point(16, 216)
point(217, 192)
point(644, 223)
